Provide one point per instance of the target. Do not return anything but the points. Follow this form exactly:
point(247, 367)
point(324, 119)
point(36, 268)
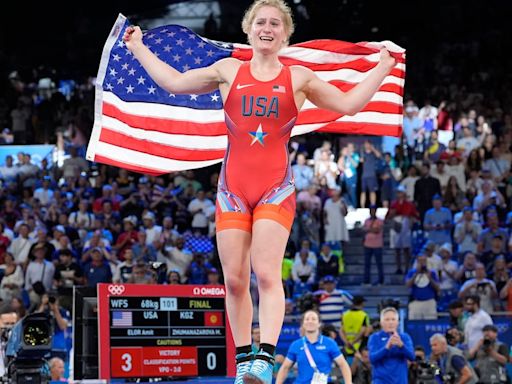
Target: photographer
point(420, 370)
point(424, 286)
point(7, 321)
point(61, 320)
point(454, 367)
point(490, 357)
point(481, 286)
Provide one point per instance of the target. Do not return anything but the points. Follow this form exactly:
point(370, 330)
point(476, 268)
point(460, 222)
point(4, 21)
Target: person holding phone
point(424, 285)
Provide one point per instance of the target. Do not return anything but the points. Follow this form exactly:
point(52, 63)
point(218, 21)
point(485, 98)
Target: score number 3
point(127, 359)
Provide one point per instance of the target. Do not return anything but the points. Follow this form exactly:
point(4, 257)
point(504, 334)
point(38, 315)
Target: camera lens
point(52, 299)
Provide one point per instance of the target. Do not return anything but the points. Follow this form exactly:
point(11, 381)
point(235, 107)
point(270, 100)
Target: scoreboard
point(163, 331)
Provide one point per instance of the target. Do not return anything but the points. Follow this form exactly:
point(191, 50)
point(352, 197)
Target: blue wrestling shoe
point(243, 365)
point(261, 369)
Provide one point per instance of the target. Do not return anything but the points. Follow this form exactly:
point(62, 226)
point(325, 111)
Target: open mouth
point(266, 38)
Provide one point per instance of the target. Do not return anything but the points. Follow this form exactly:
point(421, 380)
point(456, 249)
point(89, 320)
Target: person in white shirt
point(198, 208)
point(9, 172)
point(153, 231)
point(39, 270)
point(306, 245)
point(482, 287)
point(467, 231)
point(303, 270)
point(468, 142)
point(409, 181)
point(44, 193)
point(20, 246)
point(447, 274)
point(476, 321)
point(177, 258)
point(440, 173)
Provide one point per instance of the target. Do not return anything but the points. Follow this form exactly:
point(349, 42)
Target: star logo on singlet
point(258, 136)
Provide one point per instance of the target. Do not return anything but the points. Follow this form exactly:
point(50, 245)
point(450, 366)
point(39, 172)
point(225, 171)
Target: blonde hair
point(389, 309)
point(286, 11)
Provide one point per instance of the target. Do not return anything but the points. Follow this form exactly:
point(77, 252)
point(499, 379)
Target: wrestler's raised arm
point(327, 96)
point(200, 80)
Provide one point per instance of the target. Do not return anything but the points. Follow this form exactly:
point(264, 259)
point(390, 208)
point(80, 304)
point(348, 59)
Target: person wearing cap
point(438, 222)
point(481, 286)
point(128, 237)
point(467, 231)
point(493, 229)
point(402, 214)
point(332, 301)
point(424, 289)
point(153, 231)
point(447, 276)
point(425, 188)
point(451, 362)
point(355, 326)
point(373, 244)
point(490, 357)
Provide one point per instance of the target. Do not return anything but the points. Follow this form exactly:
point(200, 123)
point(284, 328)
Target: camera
point(52, 299)
point(487, 343)
point(426, 372)
point(29, 344)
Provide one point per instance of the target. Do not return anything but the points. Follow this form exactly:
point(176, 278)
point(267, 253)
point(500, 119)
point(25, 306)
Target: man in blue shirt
point(424, 286)
point(390, 350)
point(438, 222)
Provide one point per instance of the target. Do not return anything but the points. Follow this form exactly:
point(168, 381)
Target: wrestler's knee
point(236, 285)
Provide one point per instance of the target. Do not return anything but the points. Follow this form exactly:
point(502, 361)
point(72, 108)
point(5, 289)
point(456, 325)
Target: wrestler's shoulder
point(301, 75)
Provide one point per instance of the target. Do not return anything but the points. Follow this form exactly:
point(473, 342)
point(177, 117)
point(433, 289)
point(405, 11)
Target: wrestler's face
point(268, 32)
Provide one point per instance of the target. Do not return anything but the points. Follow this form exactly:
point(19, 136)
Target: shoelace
point(241, 369)
point(259, 367)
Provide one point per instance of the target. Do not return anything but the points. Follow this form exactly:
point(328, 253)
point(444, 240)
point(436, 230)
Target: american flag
point(141, 127)
point(122, 319)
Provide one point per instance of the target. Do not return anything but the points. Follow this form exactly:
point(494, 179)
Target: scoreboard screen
point(163, 331)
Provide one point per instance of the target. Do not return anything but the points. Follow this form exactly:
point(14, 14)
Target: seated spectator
point(438, 222)
point(490, 357)
point(487, 235)
point(453, 196)
point(424, 286)
point(178, 257)
point(153, 231)
point(106, 195)
point(67, 274)
point(332, 302)
point(447, 275)
point(499, 273)
point(174, 277)
point(213, 277)
point(498, 249)
point(12, 280)
point(489, 196)
point(124, 269)
point(82, 220)
point(142, 274)
point(477, 319)
point(197, 272)
point(97, 270)
point(440, 173)
point(499, 167)
point(327, 264)
point(303, 270)
point(467, 232)
point(20, 247)
point(306, 244)
point(142, 250)
point(482, 287)
point(39, 275)
point(128, 237)
point(44, 193)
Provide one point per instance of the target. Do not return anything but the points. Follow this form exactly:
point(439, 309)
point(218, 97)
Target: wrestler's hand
point(132, 37)
point(386, 59)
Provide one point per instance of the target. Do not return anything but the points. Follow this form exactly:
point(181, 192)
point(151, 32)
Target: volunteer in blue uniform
point(314, 354)
point(390, 350)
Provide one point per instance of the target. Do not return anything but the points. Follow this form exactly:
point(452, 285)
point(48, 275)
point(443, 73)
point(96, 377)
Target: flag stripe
point(162, 150)
point(141, 127)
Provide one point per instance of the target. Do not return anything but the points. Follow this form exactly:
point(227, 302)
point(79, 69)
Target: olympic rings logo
point(116, 289)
